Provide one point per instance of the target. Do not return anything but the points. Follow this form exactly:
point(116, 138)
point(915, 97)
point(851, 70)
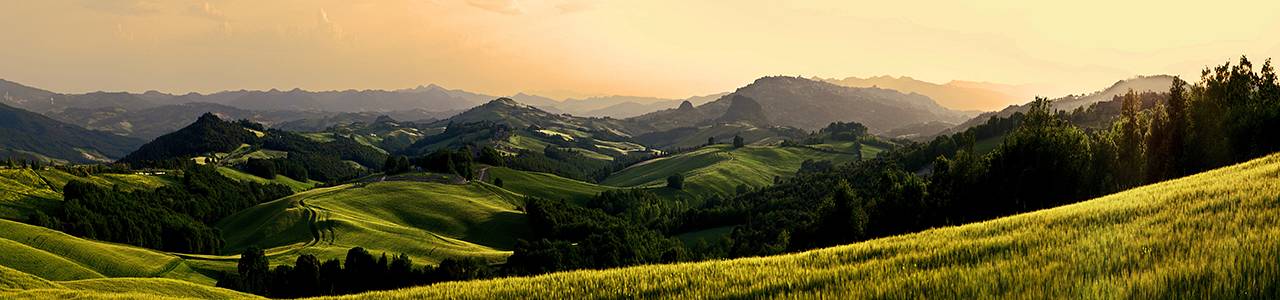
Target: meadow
point(429, 221)
point(1207, 236)
point(720, 169)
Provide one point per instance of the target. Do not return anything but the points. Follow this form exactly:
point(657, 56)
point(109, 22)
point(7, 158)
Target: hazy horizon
point(576, 49)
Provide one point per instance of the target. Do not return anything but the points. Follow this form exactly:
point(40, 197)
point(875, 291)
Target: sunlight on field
point(1208, 236)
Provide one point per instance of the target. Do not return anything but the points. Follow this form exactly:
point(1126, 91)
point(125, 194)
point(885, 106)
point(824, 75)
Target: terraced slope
point(429, 221)
point(1207, 236)
point(720, 169)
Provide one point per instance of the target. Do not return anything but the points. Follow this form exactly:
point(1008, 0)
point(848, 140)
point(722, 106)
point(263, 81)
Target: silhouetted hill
point(810, 105)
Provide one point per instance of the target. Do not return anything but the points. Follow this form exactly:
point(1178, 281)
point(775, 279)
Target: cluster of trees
point(361, 271)
point(615, 229)
point(458, 162)
point(397, 164)
point(171, 218)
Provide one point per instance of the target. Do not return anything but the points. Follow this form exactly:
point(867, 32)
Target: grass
point(54, 255)
point(428, 221)
point(544, 185)
point(22, 191)
point(295, 185)
point(1207, 236)
point(720, 169)
point(15, 284)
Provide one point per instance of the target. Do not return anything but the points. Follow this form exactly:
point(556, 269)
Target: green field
point(296, 186)
point(429, 221)
point(15, 284)
point(720, 169)
point(543, 185)
point(22, 191)
point(1208, 236)
point(53, 255)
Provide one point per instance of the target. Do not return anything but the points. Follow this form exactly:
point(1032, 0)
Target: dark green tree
point(738, 142)
point(675, 181)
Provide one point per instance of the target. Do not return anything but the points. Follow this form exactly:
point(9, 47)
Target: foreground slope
point(54, 255)
point(1210, 235)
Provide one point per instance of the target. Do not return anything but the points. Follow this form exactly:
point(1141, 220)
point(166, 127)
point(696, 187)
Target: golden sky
point(573, 48)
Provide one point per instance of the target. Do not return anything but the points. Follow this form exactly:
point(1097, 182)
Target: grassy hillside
point(1208, 236)
point(54, 255)
point(719, 169)
point(296, 186)
point(429, 221)
point(24, 190)
point(543, 185)
point(15, 284)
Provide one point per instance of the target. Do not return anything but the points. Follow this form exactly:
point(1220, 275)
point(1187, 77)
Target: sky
point(576, 48)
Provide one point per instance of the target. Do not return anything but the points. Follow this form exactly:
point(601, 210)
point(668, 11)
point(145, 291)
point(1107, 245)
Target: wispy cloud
point(510, 7)
point(573, 6)
point(207, 10)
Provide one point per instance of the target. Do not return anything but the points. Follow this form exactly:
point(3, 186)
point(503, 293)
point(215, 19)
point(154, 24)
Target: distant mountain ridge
point(958, 95)
point(28, 135)
point(810, 105)
point(1152, 83)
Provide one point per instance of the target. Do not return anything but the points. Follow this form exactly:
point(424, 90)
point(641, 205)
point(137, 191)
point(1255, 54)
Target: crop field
point(429, 221)
point(1207, 236)
point(720, 169)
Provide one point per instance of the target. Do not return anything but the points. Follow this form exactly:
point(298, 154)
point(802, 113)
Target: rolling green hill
point(23, 190)
point(295, 185)
point(1209, 236)
point(53, 255)
point(543, 185)
point(429, 221)
point(15, 284)
point(720, 169)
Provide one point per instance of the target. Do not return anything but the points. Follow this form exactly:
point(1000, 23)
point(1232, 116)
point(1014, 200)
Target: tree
point(1176, 110)
point(254, 271)
point(711, 141)
point(262, 168)
point(738, 142)
point(497, 182)
point(675, 181)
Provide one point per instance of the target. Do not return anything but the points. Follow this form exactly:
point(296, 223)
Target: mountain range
point(958, 95)
point(31, 136)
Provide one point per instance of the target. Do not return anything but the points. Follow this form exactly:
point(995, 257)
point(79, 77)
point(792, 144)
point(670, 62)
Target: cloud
point(574, 6)
point(328, 27)
point(207, 10)
point(510, 7)
point(124, 7)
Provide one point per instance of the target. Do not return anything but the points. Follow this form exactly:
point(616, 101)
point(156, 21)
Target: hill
point(53, 255)
point(429, 221)
point(1204, 236)
point(31, 136)
point(1155, 83)
point(954, 95)
point(810, 105)
point(544, 185)
point(24, 190)
point(15, 284)
point(210, 140)
point(513, 127)
point(720, 169)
